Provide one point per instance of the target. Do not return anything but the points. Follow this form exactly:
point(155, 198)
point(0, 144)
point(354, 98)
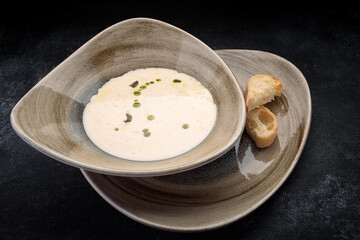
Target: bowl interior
point(49, 116)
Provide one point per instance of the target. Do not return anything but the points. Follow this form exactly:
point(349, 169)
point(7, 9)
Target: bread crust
point(261, 89)
point(261, 125)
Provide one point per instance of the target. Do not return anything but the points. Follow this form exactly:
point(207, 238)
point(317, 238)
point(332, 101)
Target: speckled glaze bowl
point(49, 116)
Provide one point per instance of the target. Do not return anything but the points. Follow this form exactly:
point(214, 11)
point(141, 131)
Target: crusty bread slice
point(261, 125)
point(261, 89)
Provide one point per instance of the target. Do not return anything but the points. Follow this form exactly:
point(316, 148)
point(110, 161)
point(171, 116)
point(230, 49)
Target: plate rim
point(254, 206)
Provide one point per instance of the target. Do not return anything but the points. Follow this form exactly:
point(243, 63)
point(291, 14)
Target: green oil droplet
point(177, 81)
point(147, 134)
point(185, 126)
point(137, 93)
point(150, 117)
point(158, 80)
point(136, 104)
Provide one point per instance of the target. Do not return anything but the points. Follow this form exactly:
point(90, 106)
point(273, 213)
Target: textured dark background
point(41, 198)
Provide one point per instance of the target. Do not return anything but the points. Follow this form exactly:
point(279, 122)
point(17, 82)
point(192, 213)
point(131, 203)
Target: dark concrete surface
point(41, 198)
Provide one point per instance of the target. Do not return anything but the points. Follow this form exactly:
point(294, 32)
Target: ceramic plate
point(233, 185)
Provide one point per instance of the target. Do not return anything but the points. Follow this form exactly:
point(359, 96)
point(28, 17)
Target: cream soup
point(150, 114)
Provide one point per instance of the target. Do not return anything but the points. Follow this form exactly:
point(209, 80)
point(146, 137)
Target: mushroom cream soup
point(150, 114)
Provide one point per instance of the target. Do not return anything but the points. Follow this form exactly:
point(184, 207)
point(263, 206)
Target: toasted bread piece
point(261, 125)
point(261, 89)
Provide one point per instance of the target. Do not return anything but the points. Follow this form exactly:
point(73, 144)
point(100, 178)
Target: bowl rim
point(138, 172)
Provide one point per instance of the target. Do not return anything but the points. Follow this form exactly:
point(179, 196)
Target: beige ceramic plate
point(235, 184)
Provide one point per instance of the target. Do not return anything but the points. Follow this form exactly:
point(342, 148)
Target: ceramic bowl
point(49, 116)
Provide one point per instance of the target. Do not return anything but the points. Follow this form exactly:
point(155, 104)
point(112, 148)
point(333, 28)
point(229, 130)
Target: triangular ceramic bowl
point(49, 116)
